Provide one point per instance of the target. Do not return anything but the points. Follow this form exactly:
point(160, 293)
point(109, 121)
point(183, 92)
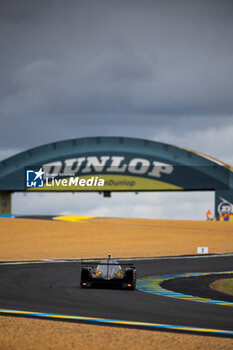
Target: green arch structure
point(125, 164)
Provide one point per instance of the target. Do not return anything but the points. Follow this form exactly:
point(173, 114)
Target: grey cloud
point(77, 68)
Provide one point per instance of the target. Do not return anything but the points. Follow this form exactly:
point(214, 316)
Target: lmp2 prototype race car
point(108, 273)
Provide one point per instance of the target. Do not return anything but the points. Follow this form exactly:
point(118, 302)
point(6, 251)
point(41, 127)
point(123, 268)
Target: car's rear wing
point(99, 262)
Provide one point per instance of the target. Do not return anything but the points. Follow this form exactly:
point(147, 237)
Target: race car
point(108, 273)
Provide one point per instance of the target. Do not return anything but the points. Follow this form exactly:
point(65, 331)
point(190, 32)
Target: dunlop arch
point(125, 164)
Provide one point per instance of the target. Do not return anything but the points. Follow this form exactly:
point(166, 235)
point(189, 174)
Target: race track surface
point(198, 286)
point(54, 288)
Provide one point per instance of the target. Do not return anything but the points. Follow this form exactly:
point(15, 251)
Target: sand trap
point(25, 239)
point(28, 334)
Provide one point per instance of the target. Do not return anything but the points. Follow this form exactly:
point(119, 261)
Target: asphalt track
point(54, 288)
point(198, 286)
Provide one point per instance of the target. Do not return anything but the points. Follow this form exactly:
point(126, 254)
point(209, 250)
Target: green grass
point(223, 286)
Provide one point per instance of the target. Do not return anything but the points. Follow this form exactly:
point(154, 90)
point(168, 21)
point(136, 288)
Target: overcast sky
point(161, 70)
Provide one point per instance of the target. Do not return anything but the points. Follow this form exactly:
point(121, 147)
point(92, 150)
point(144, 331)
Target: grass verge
point(223, 286)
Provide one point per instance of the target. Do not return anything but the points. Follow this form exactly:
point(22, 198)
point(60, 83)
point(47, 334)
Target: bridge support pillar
point(5, 202)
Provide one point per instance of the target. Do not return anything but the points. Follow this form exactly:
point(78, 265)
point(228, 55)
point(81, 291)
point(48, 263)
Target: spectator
point(208, 215)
